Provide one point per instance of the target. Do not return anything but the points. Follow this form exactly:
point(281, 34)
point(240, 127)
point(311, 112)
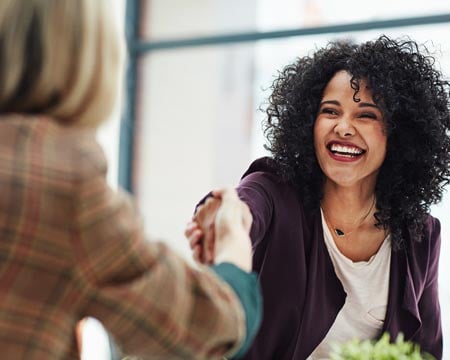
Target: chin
point(344, 180)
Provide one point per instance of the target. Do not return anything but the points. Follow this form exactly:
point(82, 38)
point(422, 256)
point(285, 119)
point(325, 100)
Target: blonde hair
point(61, 58)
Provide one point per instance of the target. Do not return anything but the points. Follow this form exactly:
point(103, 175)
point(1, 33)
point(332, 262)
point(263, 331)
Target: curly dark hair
point(414, 99)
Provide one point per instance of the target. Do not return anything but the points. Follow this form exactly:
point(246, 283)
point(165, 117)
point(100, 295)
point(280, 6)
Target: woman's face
point(349, 137)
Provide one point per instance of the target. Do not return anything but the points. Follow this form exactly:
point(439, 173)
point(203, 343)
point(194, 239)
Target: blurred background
point(197, 73)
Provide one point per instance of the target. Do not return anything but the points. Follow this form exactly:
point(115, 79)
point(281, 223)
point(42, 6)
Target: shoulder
point(264, 172)
point(49, 150)
point(79, 149)
point(263, 176)
point(424, 255)
point(73, 149)
point(262, 186)
point(264, 164)
point(431, 239)
point(433, 226)
point(433, 236)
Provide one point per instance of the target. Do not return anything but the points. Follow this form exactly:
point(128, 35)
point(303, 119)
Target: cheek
point(379, 141)
point(319, 147)
point(376, 133)
point(319, 131)
point(317, 141)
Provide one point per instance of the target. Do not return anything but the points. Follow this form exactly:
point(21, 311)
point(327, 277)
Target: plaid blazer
point(71, 247)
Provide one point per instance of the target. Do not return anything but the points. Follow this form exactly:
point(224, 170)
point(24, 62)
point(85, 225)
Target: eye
point(329, 111)
point(369, 115)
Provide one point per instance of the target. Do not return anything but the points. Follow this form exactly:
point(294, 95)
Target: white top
point(367, 285)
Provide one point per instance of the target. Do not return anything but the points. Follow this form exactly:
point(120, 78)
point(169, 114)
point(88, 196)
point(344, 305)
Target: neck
point(345, 205)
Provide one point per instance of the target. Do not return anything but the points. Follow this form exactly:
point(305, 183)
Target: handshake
point(219, 230)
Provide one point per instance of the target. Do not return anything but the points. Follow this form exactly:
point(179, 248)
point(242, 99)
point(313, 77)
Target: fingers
point(226, 193)
point(194, 234)
point(197, 253)
point(206, 212)
point(209, 245)
point(205, 217)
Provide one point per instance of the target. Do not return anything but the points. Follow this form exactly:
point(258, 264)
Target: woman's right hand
point(220, 230)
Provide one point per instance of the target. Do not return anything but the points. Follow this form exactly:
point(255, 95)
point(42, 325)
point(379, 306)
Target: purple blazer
point(302, 294)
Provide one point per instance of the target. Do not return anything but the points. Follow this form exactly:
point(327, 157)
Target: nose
point(344, 128)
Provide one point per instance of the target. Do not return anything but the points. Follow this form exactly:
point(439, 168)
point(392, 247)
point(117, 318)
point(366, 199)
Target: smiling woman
point(342, 237)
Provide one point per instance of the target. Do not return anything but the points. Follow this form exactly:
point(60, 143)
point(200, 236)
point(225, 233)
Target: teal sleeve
point(247, 288)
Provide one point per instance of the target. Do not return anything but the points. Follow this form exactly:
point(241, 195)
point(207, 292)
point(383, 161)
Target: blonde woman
point(70, 246)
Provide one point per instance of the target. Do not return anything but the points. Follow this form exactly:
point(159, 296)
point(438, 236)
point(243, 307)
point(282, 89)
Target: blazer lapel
point(325, 297)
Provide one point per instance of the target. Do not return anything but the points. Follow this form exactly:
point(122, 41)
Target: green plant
point(382, 349)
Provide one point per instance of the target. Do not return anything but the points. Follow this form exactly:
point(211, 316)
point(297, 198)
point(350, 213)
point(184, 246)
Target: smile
point(345, 150)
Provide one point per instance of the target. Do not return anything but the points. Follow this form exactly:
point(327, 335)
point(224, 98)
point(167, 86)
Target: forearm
point(171, 310)
point(150, 300)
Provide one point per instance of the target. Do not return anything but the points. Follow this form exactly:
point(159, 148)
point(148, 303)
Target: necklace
point(338, 231)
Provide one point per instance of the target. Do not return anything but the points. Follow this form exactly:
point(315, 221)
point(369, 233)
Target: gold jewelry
point(339, 232)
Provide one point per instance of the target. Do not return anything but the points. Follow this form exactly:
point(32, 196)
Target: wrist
point(236, 251)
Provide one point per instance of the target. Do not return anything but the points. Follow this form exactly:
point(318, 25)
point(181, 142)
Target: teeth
point(345, 149)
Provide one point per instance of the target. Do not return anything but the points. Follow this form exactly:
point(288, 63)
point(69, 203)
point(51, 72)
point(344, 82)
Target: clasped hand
point(219, 230)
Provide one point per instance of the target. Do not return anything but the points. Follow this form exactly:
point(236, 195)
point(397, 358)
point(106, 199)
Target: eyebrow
point(360, 104)
point(364, 104)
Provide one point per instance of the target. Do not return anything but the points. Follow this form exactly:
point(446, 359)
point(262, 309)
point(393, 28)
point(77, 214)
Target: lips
point(346, 150)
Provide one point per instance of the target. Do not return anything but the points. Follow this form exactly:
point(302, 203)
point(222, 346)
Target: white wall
point(193, 114)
